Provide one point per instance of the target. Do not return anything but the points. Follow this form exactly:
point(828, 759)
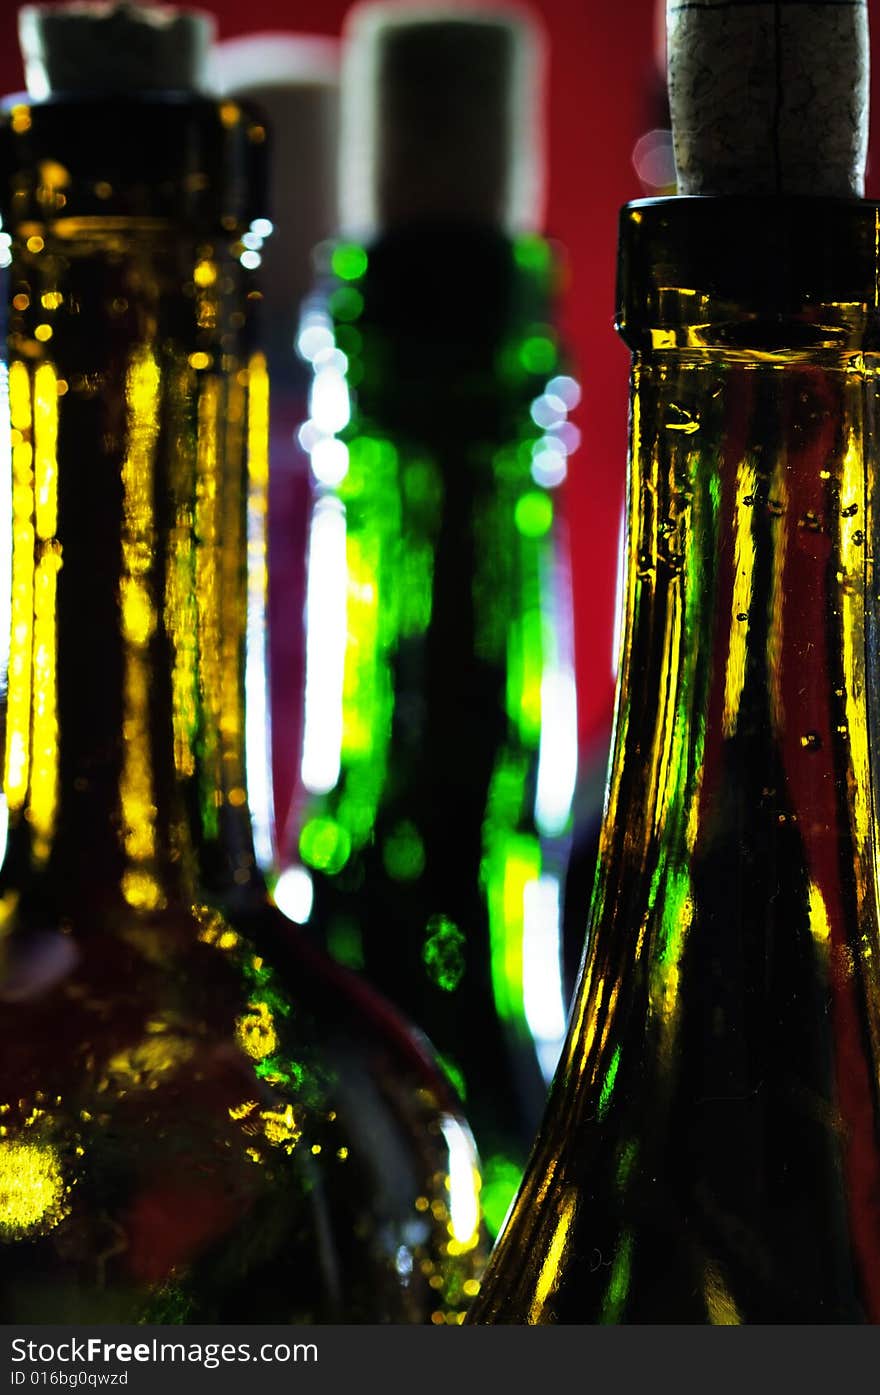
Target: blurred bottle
point(203, 1120)
point(439, 753)
point(294, 79)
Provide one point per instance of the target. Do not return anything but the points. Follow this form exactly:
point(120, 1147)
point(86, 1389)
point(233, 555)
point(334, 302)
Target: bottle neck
point(712, 1128)
point(423, 452)
point(751, 502)
point(730, 953)
point(438, 667)
point(138, 469)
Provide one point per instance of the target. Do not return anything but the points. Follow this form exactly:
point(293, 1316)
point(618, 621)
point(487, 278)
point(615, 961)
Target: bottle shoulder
point(238, 1116)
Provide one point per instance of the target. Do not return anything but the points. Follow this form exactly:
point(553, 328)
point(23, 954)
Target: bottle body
point(710, 1153)
point(202, 1121)
point(431, 827)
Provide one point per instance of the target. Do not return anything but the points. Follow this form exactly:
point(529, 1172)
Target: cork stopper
point(441, 118)
point(104, 48)
point(294, 80)
point(769, 96)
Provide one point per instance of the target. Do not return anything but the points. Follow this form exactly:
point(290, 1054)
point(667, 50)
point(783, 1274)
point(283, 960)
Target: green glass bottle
point(201, 1118)
point(710, 1151)
point(439, 736)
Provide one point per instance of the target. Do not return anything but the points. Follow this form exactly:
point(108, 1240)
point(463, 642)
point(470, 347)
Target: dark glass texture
point(710, 1150)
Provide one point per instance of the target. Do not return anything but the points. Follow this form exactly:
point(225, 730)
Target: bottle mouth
point(113, 47)
point(758, 273)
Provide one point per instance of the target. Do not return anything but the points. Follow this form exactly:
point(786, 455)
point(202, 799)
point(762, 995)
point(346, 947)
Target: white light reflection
point(549, 463)
point(567, 435)
point(558, 745)
point(250, 260)
point(464, 1196)
point(557, 752)
point(329, 402)
point(654, 160)
point(262, 227)
point(331, 358)
point(257, 729)
point(568, 389)
point(543, 999)
point(294, 894)
point(561, 437)
point(308, 435)
point(326, 625)
point(315, 335)
point(329, 459)
point(548, 410)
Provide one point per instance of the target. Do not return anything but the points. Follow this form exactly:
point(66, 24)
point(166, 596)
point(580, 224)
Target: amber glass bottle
point(710, 1152)
point(200, 1119)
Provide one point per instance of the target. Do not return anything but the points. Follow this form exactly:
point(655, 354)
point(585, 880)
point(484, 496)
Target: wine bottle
point(201, 1120)
point(294, 80)
point(710, 1150)
point(439, 744)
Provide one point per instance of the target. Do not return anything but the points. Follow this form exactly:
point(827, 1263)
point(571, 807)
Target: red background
point(601, 97)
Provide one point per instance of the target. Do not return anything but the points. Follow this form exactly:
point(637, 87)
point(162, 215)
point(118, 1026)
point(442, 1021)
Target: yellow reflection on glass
point(181, 611)
point(32, 1191)
point(137, 800)
point(820, 927)
point(554, 1258)
point(852, 628)
point(255, 1031)
point(743, 582)
point(18, 704)
point(46, 449)
point(281, 1127)
point(720, 1306)
point(44, 758)
point(143, 1064)
point(205, 273)
point(232, 619)
point(44, 698)
point(20, 116)
point(208, 594)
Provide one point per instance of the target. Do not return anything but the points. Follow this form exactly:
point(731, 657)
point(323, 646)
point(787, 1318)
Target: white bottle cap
point(769, 96)
point(442, 118)
point(103, 48)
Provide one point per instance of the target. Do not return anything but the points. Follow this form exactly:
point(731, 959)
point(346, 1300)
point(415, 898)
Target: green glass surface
point(439, 752)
